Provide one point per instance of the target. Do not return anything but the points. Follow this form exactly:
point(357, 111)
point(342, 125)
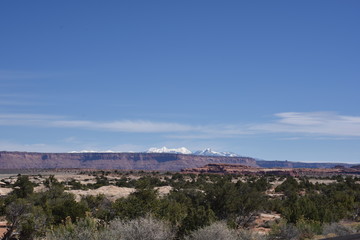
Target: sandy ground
point(3, 228)
point(114, 192)
point(264, 219)
point(111, 192)
point(320, 181)
point(163, 190)
point(83, 179)
point(5, 191)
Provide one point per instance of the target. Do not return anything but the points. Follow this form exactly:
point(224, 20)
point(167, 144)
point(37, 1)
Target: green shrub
point(216, 231)
point(337, 229)
point(146, 228)
point(284, 231)
point(85, 229)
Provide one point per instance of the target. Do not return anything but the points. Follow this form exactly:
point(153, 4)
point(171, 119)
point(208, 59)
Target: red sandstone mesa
point(136, 161)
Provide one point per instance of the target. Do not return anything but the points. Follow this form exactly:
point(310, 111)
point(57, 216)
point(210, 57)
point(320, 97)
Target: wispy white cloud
point(36, 120)
point(127, 126)
point(318, 124)
point(138, 126)
point(71, 145)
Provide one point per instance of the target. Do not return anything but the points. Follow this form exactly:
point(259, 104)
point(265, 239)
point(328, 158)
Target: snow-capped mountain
point(209, 152)
point(181, 150)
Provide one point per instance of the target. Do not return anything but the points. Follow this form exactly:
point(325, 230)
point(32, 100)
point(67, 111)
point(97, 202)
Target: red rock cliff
point(144, 161)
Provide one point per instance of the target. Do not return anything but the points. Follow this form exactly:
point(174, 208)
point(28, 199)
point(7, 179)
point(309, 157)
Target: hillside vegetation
point(193, 207)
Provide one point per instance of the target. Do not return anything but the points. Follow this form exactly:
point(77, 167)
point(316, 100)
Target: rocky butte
point(136, 161)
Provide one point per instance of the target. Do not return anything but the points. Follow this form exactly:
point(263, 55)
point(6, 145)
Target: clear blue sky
point(267, 79)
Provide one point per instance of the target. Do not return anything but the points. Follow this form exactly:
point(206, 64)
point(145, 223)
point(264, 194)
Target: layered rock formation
point(136, 161)
point(250, 170)
point(289, 164)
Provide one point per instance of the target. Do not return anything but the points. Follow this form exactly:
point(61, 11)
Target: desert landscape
point(109, 188)
point(179, 120)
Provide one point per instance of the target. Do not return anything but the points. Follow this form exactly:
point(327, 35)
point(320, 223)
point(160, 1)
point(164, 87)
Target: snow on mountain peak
point(209, 152)
point(181, 150)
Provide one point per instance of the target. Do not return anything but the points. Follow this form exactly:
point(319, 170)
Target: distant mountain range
point(259, 162)
point(158, 159)
point(183, 150)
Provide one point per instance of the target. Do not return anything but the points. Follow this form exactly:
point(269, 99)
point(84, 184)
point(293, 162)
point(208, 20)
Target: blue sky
point(267, 79)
